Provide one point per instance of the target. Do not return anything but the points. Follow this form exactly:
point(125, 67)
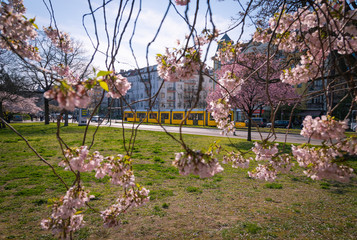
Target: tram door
point(195, 118)
point(164, 116)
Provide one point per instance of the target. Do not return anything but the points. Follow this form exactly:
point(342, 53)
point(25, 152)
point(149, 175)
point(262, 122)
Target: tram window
point(141, 115)
point(211, 117)
point(153, 115)
point(164, 116)
point(190, 117)
point(129, 115)
point(177, 116)
point(200, 116)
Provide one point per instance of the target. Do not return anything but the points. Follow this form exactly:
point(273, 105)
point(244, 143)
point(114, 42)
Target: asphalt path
point(290, 138)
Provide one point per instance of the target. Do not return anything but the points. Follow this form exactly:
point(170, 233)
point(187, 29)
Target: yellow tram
point(196, 117)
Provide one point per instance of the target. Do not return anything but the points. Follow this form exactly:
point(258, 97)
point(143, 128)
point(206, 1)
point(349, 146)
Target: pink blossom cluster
point(182, 2)
point(320, 163)
point(18, 104)
point(64, 219)
point(228, 52)
point(206, 37)
point(16, 30)
point(79, 159)
point(282, 163)
point(118, 85)
point(197, 163)
point(301, 73)
point(316, 32)
point(180, 64)
point(324, 128)
point(132, 198)
point(60, 39)
point(237, 160)
point(230, 82)
point(263, 172)
point(69, 96)
point(67, 73)
point(118, 168)
point(276, 163)
point(348, 145)
point(220, 111)
point(265, 151)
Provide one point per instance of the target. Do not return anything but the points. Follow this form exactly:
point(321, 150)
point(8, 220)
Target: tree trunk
point(2, 125)
point(47, 111)
point(249, 137)
point(66, 118)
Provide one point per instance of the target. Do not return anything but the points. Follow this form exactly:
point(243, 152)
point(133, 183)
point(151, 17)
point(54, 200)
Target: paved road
point(291, 138)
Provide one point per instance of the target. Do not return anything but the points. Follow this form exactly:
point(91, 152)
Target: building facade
point(149, 91)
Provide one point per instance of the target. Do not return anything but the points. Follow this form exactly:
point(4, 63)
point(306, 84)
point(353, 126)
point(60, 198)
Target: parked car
point(280, 124)
point(96, 119)
point(17, 118)
point(257, 121)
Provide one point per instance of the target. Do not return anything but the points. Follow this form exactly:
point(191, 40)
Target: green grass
point(229, 205)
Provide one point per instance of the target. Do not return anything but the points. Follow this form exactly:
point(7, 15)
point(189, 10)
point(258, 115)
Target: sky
point(69, 15)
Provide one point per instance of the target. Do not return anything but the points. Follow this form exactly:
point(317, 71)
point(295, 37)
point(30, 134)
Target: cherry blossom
point(79, 159)
point(64, 218)
point(60, 39)
point(315, 32)
point(132, 198)
point(16, 30)
point(220, 111)
point(69, 96)
point(198, 163)
point(237, 160)
point(66, 73)
point(18, 104)
point(268, 151)
point(118, 85)
point(324, 128)
point(118, 168)
point(263, 172)
point(320, 163)
point(182, 2)
point(265, 151)
point(178, 65)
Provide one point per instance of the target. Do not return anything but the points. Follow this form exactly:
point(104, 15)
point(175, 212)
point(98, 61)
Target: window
point(177, 116)
point(141, 115)
point(200, 116)
point(153, 115)
point(129, 115)
point(164, 116)
point(195, 116)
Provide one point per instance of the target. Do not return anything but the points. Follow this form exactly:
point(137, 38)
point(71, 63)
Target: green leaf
point(35, 25)
point(103, 73)
point(65, 85)
point(104, 85)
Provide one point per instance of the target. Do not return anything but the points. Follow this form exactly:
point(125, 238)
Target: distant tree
point(248, 92)
point(19, 104)
point(11, 84)
point(43, 75)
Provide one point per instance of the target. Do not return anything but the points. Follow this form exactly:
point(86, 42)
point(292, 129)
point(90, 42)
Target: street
point(290, 138)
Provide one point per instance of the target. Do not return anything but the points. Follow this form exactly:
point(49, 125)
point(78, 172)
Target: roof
point(225, 38)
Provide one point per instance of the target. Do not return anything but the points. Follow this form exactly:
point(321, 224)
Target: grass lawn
point(228, 206)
